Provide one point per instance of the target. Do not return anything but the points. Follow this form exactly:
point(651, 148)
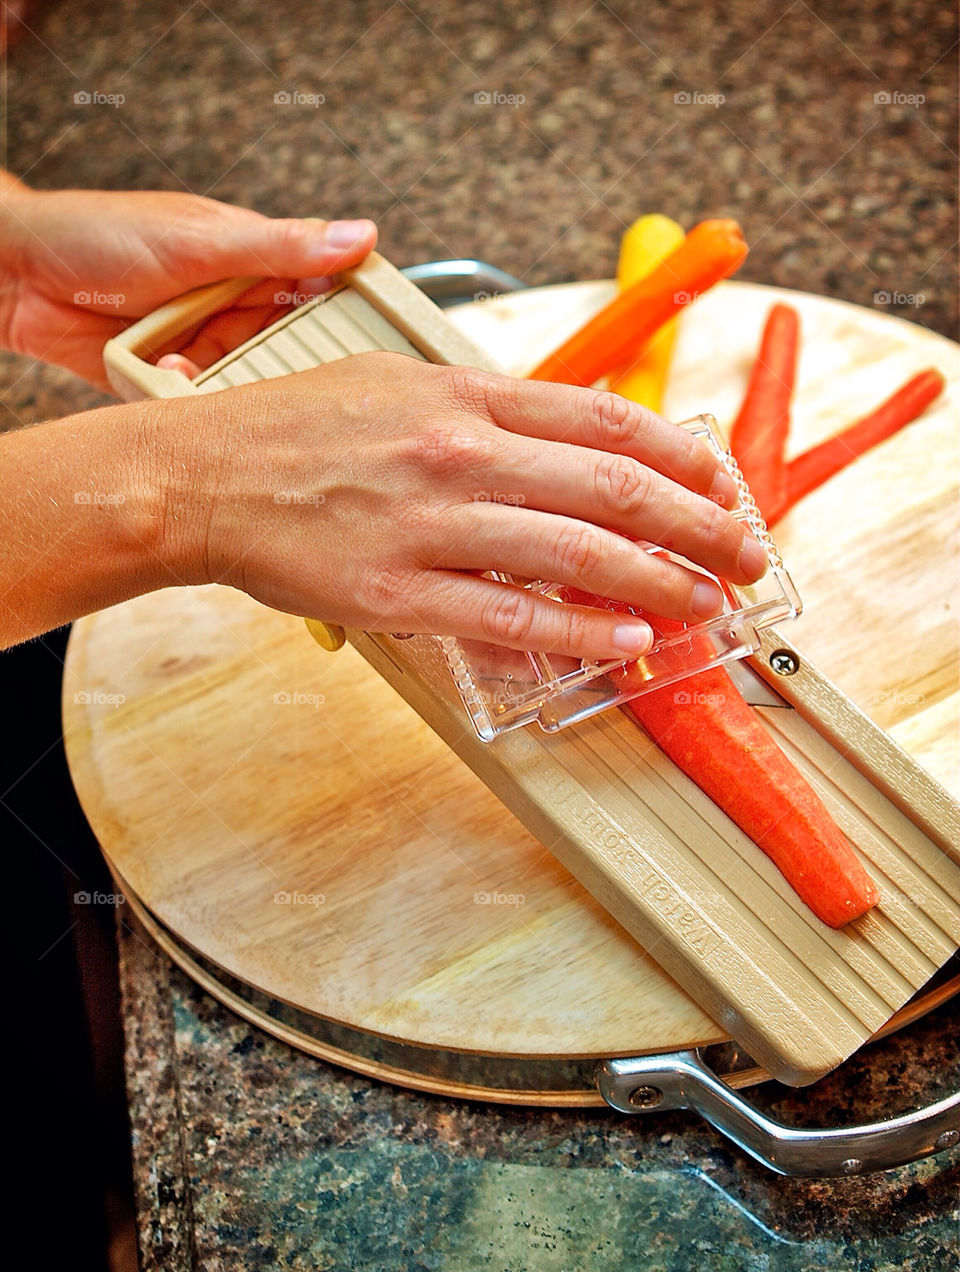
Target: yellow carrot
point(645, 244)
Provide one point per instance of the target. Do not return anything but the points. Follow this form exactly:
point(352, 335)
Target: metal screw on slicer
point(784, 663)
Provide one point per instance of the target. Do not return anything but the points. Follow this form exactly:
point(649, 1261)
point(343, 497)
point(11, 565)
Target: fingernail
point(177, 362)
point(707, 600)
point(752, 560)
point(343, 234)
point(724, 489)
point(633, 638)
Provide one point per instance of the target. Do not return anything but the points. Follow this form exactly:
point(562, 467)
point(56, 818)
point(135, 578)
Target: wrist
point(181, 452)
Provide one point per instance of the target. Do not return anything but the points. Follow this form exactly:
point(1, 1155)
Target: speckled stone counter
point(251, 1155)
point(528, 135)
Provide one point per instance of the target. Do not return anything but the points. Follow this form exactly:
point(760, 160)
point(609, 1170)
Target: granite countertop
point(250, 1154)
point(528, 136)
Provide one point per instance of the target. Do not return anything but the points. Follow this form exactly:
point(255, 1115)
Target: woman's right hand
point(373, 491)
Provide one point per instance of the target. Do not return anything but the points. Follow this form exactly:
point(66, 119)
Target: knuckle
point(384, 592)
point(579, 551)
point(199, 222)
point(613, 417)
point(469, 387)
point(714, 526)
point(574, 626)
point(509, 617)
point(446, 449)
point(692, 455)
point(291, 235)
point(623, 483)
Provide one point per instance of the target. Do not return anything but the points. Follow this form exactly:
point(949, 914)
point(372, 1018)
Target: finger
point(309, 287)
point(255, 309)
point(287, 247)
point(481, 609)
point(626, 495)
point(605, 422)
point(285, 292)
point(209, 342)
point(540, 545)
point(177, 362)
point(265, 293)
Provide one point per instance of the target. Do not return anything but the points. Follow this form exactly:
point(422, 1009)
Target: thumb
point(250, 243)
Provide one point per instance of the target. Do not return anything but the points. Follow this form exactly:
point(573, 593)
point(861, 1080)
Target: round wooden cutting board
point(303, 844)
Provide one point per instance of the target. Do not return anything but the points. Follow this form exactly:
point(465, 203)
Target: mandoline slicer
point(660, 856)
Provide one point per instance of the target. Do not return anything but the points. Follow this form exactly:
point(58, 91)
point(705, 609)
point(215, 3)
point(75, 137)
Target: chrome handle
point(453, 282)
point(682, 1080)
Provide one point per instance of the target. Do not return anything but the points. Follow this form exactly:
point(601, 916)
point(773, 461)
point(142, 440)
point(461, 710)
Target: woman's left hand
point(78, 266)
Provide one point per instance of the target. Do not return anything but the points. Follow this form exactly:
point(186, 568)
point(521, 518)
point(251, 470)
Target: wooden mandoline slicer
point(659, 855)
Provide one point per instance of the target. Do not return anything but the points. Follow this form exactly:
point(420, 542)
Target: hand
point(77, 267)
point(372, 491)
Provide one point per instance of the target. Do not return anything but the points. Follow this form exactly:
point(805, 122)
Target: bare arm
point(359, 493)
point(80, 518)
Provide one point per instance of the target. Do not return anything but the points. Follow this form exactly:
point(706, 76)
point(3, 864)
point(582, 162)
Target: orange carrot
point(711, 251)
point(820, 463)
point(759, 435)
point(710, 732)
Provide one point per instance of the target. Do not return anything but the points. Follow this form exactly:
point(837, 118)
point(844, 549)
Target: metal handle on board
point(682, 1080)
point(455, 282)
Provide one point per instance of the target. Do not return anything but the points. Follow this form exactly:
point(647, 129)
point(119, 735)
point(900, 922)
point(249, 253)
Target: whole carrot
point(710, 732)
point(711, 251)
point(759, 435)
point(820, 463)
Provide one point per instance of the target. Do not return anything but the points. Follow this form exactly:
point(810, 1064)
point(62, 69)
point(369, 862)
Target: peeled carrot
point(710, 732)
point(820, 463)
point(647, 242)
point(759, 435)
point(711, 251)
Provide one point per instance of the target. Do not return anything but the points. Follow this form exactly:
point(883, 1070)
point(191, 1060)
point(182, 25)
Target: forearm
point(82, 516)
